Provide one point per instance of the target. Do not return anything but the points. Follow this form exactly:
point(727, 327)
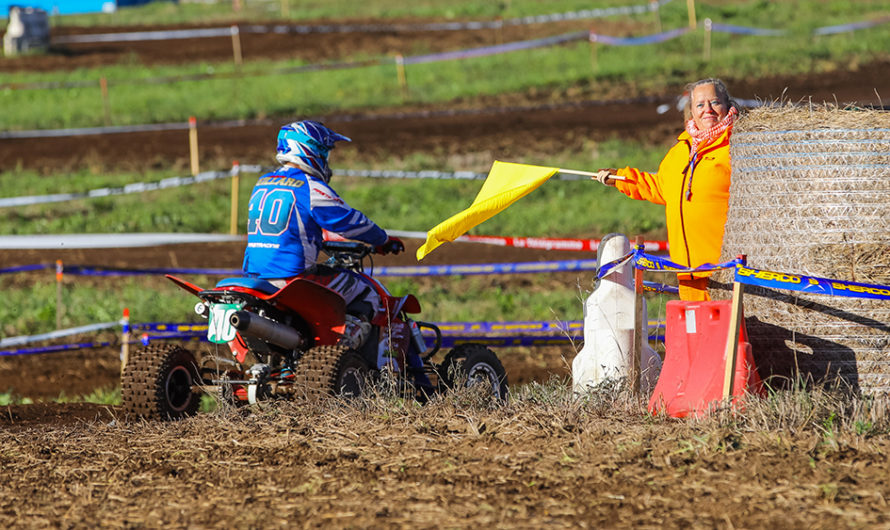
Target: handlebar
point(360, 250)
point(347, 254)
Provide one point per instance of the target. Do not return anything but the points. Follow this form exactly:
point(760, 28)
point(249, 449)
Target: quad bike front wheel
point(332, 371)
point(157, 383)
point(469, 365)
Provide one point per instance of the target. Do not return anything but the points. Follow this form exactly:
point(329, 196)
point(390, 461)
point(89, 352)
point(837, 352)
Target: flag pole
point(586, 173)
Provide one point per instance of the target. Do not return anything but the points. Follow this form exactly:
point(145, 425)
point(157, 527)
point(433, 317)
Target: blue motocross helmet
point(307, 144)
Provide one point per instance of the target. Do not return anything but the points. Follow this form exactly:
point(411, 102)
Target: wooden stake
point(236, 45)
point(690, 7)
point(236, 5)
point(236, 179)
point(59, 307)
point(403, 77)
point(193, 145)
point(638, 325)
point(285, 9)
point(106, 106)
point(594, 59)
point(707, 50)
point(732, 341)
point(656, 7)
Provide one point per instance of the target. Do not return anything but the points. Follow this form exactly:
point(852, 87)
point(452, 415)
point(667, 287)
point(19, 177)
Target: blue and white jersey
point(288, 210)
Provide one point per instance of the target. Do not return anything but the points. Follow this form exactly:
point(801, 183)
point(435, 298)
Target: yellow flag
point(506, 184)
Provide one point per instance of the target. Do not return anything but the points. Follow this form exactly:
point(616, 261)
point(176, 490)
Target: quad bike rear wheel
point(157, 383)
point(469, 365)
point(332, 371)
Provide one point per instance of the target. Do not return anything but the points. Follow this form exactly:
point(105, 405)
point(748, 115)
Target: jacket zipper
point(686, 174)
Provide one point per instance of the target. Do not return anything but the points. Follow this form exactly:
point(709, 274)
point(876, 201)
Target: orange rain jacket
point(695, 221)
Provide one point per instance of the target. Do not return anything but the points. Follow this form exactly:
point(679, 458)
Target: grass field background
point(412, 205)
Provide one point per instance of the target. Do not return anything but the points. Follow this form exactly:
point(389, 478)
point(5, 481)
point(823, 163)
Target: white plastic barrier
point(609, 327)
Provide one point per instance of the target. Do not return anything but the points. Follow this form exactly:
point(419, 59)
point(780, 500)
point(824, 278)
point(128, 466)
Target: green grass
point(761, 13)
point(649, 68)
point(304, 10)
point(415, 205)
point(559, 208)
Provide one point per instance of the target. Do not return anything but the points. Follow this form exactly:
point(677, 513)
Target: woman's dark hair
point(719, 87)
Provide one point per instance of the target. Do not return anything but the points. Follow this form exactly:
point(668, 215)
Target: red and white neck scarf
point(705, 137)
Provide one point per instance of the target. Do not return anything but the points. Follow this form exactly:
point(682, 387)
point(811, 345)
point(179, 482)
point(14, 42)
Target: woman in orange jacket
point(692, 182)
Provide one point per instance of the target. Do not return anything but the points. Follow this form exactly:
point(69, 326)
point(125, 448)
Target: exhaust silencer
point(251, 324)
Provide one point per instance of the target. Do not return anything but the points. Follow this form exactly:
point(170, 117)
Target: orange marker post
point(59, 307)
point(125, 338)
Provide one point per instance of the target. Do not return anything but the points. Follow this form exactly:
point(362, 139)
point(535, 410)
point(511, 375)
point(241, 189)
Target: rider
point(288, 209)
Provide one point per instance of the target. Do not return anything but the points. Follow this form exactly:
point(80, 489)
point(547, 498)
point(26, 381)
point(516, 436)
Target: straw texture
point(810, 195)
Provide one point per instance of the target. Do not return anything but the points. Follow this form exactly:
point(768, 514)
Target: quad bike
point(287, 342)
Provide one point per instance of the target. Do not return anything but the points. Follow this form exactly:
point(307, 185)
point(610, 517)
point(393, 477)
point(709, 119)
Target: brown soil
point(308, 47)
point(455, 463)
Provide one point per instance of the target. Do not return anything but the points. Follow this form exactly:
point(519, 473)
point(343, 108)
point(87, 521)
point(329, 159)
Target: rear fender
point(323, 309)
point(190, 287)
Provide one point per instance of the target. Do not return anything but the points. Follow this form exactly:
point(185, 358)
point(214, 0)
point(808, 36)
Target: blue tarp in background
point(69, 7)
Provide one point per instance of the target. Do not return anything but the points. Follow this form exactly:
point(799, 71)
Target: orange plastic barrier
point(691, 379)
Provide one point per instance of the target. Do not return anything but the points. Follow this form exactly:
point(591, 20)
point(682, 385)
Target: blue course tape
point(54, 349)
point(432, 270)
point(524, 333)
point(493, 50)
point(489, 268)
point(810, 284)
point(80, 270)
point(761, 278)
point(743, 30)
point(845, 28)
point(24, 268)
point(652, 263)
point(638, 41)
point(660, 288)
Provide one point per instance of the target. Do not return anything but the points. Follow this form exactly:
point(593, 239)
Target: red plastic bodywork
point(323, 309)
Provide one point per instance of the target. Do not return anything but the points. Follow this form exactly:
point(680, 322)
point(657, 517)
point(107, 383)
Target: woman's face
point(707, 107)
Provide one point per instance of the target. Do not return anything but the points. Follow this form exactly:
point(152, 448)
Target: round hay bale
point(810, 195)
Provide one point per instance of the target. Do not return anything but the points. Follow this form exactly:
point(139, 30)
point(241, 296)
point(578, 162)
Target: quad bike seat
point(249, 283)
